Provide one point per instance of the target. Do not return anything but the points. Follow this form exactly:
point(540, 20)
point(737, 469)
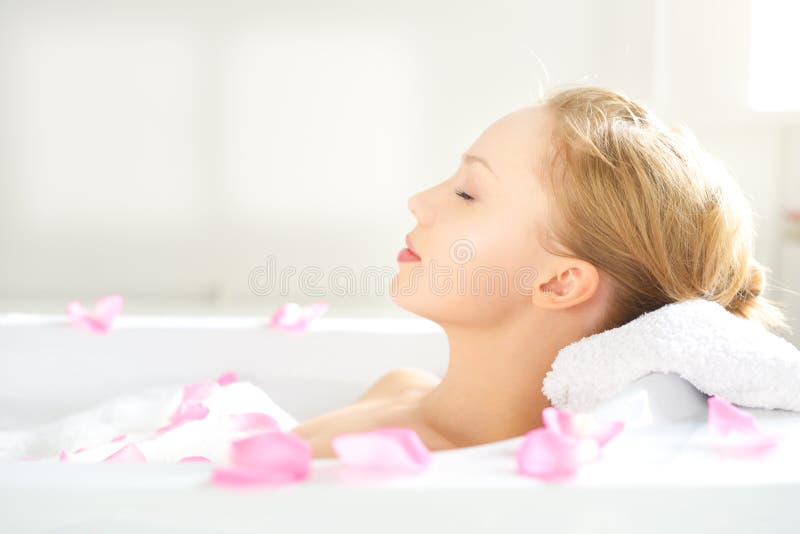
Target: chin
point(405, 301)
point(440, 310)
point(411, 301)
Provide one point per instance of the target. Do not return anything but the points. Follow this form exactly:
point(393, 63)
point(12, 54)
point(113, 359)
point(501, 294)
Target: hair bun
point(747, 302)
point(756, 279)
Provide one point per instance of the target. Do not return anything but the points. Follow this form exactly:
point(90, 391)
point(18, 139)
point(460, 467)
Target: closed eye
point(464, 195)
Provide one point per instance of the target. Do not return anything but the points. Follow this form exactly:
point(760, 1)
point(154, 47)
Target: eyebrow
point(472, 158)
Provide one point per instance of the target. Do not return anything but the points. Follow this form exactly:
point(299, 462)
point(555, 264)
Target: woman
point(592, 213)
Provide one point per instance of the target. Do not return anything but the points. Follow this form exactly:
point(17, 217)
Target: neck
point(492, 388)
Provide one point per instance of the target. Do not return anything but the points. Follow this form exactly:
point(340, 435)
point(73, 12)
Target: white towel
point(718, 352)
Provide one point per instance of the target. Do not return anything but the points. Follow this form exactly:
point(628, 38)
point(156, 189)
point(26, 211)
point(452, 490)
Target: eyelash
point(464, 195)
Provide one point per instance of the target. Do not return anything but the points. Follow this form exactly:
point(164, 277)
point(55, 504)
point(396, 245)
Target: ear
point(572, 281)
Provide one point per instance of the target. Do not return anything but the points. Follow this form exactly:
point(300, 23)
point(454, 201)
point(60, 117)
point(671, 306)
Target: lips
point(408, 254)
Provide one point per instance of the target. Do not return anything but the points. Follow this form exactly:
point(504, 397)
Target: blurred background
point(172, 151)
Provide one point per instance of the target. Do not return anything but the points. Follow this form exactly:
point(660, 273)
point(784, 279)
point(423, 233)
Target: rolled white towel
point(718, 352)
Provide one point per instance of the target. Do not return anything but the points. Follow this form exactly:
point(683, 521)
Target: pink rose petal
point(724, 417)
point(118, 438)
point(194, 412)
point(197, 392)
point(736, 431)
point(242, 422)
point(168, 427)
point(269, 458)
point(550, 455)
point(227, 378)
point(128, 454)
point(294, 318)
point(99, 320)
point(741, 445)
point(279, 451)
point(565, 442)
point(238, 477)
point(79, 449)
point(382, 449)
point(581, 425)
point(63, 457)
point(190, 459)
point(190, 407)
point(108, 307)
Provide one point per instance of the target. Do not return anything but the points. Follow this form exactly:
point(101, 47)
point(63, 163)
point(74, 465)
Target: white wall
point(164, 149)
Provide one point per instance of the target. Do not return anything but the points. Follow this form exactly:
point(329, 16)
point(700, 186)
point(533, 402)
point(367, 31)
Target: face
point(477, 231)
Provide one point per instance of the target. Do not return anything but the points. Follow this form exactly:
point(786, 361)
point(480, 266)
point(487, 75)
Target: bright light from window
point(774, 49)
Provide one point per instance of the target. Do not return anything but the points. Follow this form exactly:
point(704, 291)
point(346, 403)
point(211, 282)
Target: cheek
point(514, 242)
point(510, 254)
point(506, 249)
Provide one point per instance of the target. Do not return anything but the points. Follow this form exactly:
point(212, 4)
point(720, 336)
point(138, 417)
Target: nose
point(422, 213)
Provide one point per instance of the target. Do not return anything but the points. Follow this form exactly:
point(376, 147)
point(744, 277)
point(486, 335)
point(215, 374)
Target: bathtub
point(657, 476)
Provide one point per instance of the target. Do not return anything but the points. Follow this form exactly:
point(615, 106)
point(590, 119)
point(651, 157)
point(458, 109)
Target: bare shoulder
point(390, 401)
point(320, 439)
point(400, 381)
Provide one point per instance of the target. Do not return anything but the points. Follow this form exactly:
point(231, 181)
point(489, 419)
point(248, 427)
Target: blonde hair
point(650, 208)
